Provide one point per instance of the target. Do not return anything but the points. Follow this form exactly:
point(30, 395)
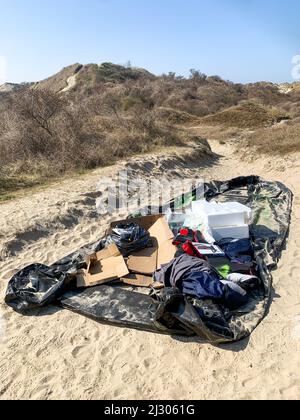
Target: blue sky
point(240, 40)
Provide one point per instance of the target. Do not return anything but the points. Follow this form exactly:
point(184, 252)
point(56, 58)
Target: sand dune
point(60, 355)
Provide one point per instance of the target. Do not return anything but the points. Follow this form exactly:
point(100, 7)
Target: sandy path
point(63, 355)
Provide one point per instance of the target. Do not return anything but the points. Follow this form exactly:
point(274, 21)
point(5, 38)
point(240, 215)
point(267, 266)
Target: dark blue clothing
point(240, 252)
point(196, 277)
point(234, 248)
point(203, 285)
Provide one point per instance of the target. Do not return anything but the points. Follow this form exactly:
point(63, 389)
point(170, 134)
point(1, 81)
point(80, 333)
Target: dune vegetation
point(89, 116)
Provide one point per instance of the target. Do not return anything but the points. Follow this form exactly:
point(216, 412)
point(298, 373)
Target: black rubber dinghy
point(169, 311)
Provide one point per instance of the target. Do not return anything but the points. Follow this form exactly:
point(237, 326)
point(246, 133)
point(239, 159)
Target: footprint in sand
point(77, 351)
point(296, 329)
point(105, 351)
point(295, 272)
point(296, 254)
point(149, 362)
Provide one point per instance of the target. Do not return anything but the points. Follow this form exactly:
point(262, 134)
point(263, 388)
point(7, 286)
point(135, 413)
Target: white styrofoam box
point(235, 232)
point(222, 214)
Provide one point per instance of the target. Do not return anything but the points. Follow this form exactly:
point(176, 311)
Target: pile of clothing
point(224, 272)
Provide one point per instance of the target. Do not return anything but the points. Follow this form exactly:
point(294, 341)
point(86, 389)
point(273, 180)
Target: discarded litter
point(129, 237)
point(102, 267)
point(160, 249)
point(223, 220)
point(216, 214)
point(207, 270)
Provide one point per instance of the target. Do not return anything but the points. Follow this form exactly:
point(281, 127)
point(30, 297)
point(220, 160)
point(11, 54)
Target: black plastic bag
point(129, 238)
point(35, 286)
point(202, 318)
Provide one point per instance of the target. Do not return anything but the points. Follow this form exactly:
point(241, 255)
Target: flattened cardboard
point(160, 230)
point(157, 286)
point(137, 280)
point(143, 262)
point(103, 267)
point(111, 251)
point(147, 261)
point(166, 250)
point(166, 253)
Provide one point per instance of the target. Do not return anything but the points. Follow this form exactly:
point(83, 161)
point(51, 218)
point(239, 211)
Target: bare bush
point(43, 134)
point(278, 141)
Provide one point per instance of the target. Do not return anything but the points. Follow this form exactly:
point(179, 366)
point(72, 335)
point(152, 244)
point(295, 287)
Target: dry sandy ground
point(61, 355)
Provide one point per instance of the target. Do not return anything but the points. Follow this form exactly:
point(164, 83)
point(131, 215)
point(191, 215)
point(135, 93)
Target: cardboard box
point(143, 262)
point(161, 251)
point(102, 267)
point(137, 270)
point(138, 280)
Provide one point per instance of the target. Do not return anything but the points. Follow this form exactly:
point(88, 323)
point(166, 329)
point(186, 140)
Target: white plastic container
point(223, 220)
point(222, 214)
point(234, 232)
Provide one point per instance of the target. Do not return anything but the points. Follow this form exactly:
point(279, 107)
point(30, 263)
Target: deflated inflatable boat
point(169, 311)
